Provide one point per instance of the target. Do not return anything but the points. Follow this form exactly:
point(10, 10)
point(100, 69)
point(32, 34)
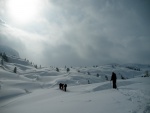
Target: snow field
point(36, 90)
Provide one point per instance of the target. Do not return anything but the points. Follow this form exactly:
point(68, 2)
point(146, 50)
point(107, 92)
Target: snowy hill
point(36, 90)
point(9, 51)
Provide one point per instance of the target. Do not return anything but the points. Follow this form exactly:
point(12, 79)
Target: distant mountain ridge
point(8, 51)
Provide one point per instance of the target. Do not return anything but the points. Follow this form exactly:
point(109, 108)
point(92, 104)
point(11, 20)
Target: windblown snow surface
point(34, 90)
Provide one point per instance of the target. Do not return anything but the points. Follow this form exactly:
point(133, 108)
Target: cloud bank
point(82, 32)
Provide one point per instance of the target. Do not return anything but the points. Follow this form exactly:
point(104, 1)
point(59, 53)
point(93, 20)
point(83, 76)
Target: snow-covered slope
point(32, 90)
point(9, 51)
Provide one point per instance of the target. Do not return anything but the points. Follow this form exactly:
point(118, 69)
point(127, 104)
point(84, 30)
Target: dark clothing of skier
point(65, 87)
point(61, 86)
point(114, 79)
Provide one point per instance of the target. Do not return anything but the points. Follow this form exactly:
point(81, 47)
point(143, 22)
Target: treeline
point(67, 69)
point(133, 68)
point(33, 64)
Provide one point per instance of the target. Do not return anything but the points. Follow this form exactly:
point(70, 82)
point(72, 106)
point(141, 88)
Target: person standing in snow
point(61, 86)
point(114, 79)
point(65, 87)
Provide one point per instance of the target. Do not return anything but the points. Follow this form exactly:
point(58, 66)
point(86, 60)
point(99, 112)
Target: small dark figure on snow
point(114, 79)
point(15, 70)
point(65, 87)
point(61, 86)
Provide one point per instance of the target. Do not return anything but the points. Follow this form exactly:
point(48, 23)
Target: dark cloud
point(85, 32)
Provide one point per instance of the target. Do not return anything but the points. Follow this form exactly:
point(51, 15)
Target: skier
point(65, 87)
point(114, 79)
point(61, 86)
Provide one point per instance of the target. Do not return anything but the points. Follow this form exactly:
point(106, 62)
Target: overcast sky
point(79, 32)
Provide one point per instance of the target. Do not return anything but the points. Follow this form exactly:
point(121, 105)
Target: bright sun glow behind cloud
point(23, 11)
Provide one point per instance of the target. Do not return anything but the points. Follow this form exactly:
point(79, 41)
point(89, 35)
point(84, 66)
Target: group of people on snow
point(113, 79)
point(63, 86)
